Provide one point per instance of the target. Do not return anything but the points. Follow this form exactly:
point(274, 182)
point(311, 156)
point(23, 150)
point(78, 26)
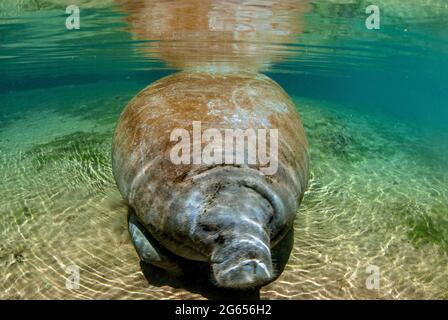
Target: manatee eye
point(208, 227)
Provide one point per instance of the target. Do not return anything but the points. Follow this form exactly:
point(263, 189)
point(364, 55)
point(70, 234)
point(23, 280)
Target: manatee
point(228, 214)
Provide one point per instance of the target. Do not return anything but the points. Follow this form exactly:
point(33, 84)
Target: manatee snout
point(246, 263)
point(235, 228)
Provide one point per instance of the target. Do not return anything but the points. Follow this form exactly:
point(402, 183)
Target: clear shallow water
point(373, 103)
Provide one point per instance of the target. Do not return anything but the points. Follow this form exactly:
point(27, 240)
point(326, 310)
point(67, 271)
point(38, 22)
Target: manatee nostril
point(220, 239)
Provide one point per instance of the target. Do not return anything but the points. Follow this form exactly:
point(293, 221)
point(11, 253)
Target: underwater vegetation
point(83, 149)
point(334, 136)
point(425, 225)
point(104, 117)
point(345, 142)
point(426, 229)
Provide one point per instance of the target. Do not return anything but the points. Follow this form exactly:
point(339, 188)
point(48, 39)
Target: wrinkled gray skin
point(229, 216)
point(232, 233)
point(235, 231)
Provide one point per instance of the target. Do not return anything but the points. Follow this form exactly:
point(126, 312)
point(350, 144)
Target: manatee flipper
point(149, 250)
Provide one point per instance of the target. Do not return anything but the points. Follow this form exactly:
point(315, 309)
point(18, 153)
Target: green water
point(373, 103)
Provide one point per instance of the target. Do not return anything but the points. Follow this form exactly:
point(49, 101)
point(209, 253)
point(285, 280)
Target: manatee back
point(164, 194)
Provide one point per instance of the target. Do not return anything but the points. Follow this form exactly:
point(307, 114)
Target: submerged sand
point(378, 196)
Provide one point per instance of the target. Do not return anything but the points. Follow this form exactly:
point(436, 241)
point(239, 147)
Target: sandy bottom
point(378, 197)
